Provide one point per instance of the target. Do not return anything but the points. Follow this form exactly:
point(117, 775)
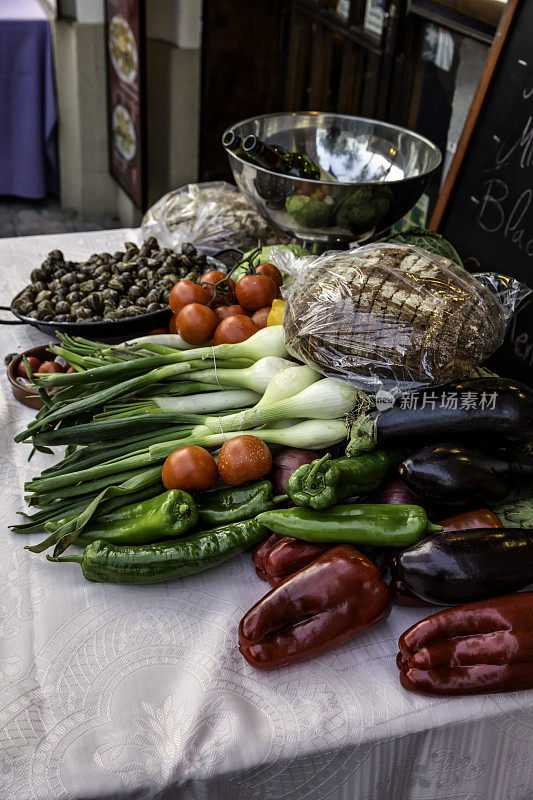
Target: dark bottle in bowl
point(277, 159)
point(232, 141)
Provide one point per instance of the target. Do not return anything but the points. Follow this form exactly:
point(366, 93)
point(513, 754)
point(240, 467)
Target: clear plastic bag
point(395, 317)
point(213, 216)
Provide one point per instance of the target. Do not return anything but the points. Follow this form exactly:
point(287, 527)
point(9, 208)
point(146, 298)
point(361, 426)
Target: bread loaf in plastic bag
point(395, 317)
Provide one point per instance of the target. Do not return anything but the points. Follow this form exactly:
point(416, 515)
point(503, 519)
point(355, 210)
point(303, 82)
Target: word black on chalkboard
point(486, 205)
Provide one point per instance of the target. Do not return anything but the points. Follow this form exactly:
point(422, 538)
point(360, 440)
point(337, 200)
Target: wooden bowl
point(23, 394)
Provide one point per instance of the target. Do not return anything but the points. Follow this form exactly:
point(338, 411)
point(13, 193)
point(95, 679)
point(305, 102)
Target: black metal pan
point(111, 330)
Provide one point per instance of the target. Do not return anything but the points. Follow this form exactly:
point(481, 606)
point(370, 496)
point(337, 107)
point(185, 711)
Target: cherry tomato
point(190, 468)
point(260, 317)
point(244, 458)
point(34, 364)
point(234, 329)
point(196, 323)
point(271, 272)
point(172, 324)
point(225, 292)
point(229, 311)
point(185, 292)
point(255, 291)
point(50, 366)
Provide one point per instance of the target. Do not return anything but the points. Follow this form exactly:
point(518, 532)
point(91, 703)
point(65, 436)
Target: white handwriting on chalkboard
point(522, 347)
point(524, 142)
point(526, 93)
point(496, 215)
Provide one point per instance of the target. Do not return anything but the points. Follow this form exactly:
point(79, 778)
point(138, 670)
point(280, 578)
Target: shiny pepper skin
point(335, 598)
point(480, 647)
point(280, 556)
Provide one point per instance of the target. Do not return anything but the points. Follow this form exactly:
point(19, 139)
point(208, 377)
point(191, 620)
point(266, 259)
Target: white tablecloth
point(140, 692)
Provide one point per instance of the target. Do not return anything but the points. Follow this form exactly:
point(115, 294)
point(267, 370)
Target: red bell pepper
point(470, 520)
point(335, 598)
point(280, 556)
point(262, 550)
point(480, 647)
point(271, 579)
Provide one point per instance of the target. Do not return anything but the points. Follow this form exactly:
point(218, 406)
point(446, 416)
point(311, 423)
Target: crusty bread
point(391, 316)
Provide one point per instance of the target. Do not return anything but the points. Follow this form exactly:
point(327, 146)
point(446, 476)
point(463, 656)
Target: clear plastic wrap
point(213, 216)
point(395, 317)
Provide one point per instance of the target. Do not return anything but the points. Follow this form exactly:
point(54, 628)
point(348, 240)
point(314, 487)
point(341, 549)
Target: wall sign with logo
point(126, 96)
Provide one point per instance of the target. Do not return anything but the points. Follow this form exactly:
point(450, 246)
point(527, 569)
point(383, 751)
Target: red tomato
point(34, 364)
point(255, 291)
point(172, 324)
point(50, 366)
point(234, 329)
point(229, 311)
point(244, 458)
point(225, 292)
point(260, 317)
point(189, 468)
point(70, 370)
point(156, 331)
point(271, 272)
point(185, 292)
point(196, 323)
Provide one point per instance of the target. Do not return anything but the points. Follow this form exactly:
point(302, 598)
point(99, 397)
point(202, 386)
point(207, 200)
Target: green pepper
point(163, 517)
point(323, 482)
point(101, 561)
point(236, 503)
point(362, 524)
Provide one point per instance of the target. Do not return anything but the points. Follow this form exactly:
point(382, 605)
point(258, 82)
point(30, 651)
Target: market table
point(28, 117)
point(139, 692)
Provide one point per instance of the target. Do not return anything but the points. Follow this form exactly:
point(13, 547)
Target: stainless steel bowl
point(380, 170)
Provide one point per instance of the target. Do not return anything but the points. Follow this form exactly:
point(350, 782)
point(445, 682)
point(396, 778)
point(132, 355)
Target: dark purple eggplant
point(500, 407)
point(452, 476)
point(459, 566)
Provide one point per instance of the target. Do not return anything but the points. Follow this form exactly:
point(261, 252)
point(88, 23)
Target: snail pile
point(128, 283)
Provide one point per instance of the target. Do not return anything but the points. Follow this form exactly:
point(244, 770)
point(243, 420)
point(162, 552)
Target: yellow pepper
point(275, 316)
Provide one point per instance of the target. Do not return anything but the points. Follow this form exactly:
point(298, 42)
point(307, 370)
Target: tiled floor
point(19, 217)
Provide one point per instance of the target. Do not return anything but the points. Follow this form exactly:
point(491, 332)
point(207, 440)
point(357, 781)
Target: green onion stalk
point(99, 399)
point(312, 434)
point(268, 341)
point(69, 532)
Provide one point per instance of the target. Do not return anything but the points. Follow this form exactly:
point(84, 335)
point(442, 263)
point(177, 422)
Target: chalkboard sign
point(486, 205)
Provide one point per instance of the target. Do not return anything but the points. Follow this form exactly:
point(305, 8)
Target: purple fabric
point(28, 111)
